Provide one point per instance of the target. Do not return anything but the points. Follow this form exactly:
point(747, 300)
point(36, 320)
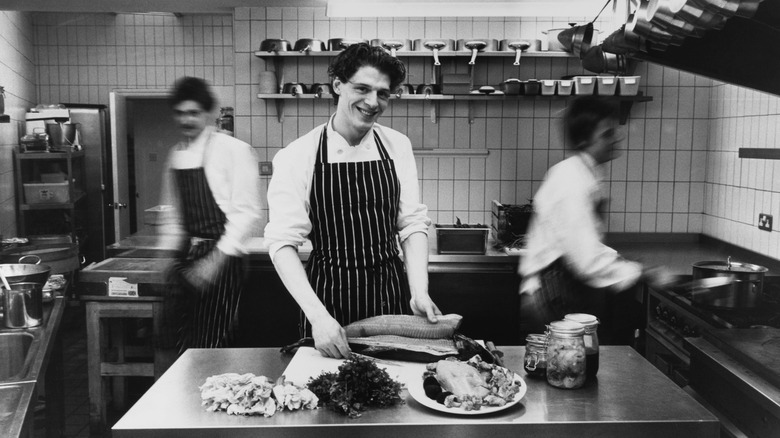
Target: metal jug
point(23, 305)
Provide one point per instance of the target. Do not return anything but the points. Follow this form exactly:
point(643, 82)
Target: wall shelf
point(625, 101)
point(422, 54)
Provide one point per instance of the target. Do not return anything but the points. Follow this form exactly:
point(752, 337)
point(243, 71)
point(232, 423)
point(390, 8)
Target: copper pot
point(393, 45)
point(294, 88)
point(519, 46)
point(476, 45)
point(274, 45)
point(309, 45)
point(336, 44)
point(434, 45)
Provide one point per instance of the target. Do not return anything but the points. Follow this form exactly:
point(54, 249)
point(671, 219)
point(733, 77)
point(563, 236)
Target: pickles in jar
point(566, 355)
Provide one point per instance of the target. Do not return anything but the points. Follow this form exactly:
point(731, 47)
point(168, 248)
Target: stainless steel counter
point(630, 399)
point(17, 397)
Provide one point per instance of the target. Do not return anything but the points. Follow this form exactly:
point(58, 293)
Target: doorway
point(142, 131)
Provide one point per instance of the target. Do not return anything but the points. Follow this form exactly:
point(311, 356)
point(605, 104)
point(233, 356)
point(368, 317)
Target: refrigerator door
point(93, 132)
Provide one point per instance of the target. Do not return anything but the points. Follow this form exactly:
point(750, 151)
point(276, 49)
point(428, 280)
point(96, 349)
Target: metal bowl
point(22, 272)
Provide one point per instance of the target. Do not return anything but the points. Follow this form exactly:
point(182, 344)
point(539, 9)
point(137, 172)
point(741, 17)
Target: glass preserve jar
point(566, 355)
point(591, 339)
point(535, 361)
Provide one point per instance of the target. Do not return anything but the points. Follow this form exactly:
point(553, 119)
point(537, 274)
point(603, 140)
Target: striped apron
point(354, 266)
point(207, 314)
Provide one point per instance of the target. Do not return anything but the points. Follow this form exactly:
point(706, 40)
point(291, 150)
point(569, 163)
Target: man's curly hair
point(351, 59)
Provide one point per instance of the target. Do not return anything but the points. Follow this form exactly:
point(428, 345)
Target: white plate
point(418, 393)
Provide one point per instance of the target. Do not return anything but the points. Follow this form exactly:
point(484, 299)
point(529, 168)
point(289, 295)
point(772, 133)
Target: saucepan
point(727, 284)
point(274, 45)
point(336, 44)
point(294, 88)
point(639, 25)
point(393, 45)
point(697, 15)
point(422, 45)
point(321, 90)
point(428, 89)
point(404, 89)
point(309, 45)
point(730, 8)
point(519, 46)
point(476, 45)
point(621, 42)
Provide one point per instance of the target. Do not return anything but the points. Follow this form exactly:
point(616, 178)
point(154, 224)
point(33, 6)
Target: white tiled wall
point(656, 186)
point(17, 75)
point(739, 189)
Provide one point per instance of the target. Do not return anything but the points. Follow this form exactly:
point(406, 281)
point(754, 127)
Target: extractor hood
point(740, 49)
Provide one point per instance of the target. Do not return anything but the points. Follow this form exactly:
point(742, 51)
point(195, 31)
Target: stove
point(672, 316)
point(676, 325)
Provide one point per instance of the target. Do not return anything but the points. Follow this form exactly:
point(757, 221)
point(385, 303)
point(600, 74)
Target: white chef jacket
point(231, 171)
point(566, 224)
point(289, 189)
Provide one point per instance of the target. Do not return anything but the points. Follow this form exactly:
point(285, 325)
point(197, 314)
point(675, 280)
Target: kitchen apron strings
point(354, 266)
point(208, 315)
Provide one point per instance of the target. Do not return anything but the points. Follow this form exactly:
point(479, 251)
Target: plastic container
point(46, 193)
point(584, 85)
point(532, 87)
point(591, 339)
point(548, 87)
point(606, 85)
point(535, 359)
point(463, 239)
point(628, 85)
point(566, 355)
point(564, 87)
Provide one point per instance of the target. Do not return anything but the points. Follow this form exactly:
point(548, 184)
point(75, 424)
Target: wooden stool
point(101, 334)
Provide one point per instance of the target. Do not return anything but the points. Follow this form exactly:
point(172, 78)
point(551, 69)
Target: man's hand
point(423, 305)
point(203, 273)
point(330, 339)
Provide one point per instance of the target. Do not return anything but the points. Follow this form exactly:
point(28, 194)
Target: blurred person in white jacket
point(567, 267)
point(211, 179)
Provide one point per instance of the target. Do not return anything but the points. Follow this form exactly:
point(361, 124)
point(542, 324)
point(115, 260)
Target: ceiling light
point(463, 8)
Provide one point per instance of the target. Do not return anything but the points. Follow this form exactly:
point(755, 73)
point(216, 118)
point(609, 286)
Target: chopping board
point(758, 349)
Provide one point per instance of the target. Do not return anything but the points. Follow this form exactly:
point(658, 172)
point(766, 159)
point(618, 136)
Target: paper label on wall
point(118, 287)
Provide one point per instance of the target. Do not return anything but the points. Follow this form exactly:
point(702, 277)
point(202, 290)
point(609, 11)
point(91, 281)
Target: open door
point(119, 160)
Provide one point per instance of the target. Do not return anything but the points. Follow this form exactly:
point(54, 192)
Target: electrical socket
point(266, 168)
point(765, 222)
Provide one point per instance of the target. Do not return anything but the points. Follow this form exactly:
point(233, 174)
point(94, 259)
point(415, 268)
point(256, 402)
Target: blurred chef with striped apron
point(350, 186)
point(212, 181)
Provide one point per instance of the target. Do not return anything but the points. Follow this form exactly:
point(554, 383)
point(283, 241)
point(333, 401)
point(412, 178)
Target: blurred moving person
point(567, 267)
point(212, 181)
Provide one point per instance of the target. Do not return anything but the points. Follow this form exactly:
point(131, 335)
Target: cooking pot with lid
point(744, 291)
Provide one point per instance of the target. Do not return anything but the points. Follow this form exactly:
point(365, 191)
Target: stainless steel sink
point(17, 354)
point(12, 398)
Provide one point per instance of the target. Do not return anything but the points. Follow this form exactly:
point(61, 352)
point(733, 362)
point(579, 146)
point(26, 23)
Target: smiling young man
point(350, 186)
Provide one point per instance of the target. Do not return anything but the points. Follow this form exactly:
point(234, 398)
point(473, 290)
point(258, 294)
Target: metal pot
point(294, 88)
point(428, 89)
point(583, 39)
point(23, 305)
point(59, 257)
point(336, 44)
point(659, 13)
point(274, 45)
point(393, 45)
point(321, 90)
point(309, 45)
point(476, 45)
point(404, 89)
point(519, 46)
point(742, 288)
point(697, 15)
point(434, 45)
point(553, 43)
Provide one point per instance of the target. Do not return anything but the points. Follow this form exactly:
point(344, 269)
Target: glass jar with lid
point(566, 354)
point(591, 339)
point(535, 360)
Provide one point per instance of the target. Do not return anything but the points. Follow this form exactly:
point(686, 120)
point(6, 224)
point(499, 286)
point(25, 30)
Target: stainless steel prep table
point(630, 399)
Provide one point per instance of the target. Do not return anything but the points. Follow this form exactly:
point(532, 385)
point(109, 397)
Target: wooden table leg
point(97, 406)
